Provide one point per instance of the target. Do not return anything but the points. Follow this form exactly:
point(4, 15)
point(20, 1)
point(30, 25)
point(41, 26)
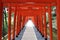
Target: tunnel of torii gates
point(30, 9)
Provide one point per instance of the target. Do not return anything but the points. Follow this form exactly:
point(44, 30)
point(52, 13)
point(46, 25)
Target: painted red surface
point(58, 19)
point(1, 11)
point(25, 9)
point(9, 24)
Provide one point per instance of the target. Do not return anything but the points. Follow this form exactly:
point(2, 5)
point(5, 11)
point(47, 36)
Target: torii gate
point(18, 7)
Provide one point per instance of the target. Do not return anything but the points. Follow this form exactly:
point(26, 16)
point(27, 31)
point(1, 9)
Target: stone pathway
point(29, 33)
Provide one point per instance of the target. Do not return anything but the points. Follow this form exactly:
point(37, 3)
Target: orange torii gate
point(23, 9)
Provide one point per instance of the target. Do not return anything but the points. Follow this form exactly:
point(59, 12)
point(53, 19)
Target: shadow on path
point(38, 35)
point(20, 34)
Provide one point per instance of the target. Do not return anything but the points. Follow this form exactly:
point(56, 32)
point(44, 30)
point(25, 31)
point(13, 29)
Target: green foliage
point(5, 24)
point(5, 29)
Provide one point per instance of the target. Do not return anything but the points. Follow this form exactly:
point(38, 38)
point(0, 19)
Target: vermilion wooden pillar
point(9, 23)
point(45, 27)
point(50, 22)
point(17, 23)
point(21, 21)
point(58, 19)
point(37, 21)
point(24, 21)
point(41, 18)
point(41, 28)
point(39, 24)
point(1, 16)
point(14, 23)
point(42, 21)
